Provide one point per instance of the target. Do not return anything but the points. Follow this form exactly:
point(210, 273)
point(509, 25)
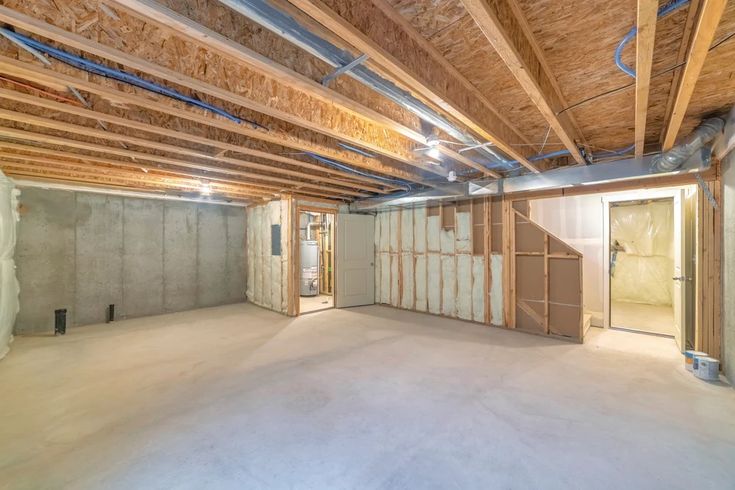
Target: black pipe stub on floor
point(110, 313)
point(60, 321)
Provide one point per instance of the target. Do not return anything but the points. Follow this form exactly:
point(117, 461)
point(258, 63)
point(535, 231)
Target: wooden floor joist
point(164, 147)
point(416, 65)
point(498, 21)
point(109, 150)
point(646, 25)
point(40, 154)
point(34, 73)
point(710, 13)
point(321, 118)
point(95, 115)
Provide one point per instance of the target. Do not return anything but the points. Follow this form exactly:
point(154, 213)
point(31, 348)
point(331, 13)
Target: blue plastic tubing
point(663, 11)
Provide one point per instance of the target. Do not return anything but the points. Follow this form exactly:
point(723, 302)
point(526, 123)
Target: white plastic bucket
point(707, 368)
point(689, 358)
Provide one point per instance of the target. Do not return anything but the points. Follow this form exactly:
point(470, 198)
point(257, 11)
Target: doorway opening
point(316, 260)
point(642, 257)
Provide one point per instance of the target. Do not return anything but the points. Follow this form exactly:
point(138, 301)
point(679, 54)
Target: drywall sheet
point(434, 281)
point(463, 223)
point(407, 281)
point(419, 230)
point(433, 232)
point(464, 286)
point(449, 285)
point(496, 290)
point(407, 230)
point(478, 289)
point(420, 284)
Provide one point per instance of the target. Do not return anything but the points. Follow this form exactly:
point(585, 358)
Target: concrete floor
point(644, 318)
point(373, 397)
point(319, 302)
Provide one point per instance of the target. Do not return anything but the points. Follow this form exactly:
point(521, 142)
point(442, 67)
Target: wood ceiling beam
point(95, 170)
point(51, 79)
point(45, 152)
point(96, 115)
point(61, 175)
point(66, 142)
point(325, 119)
point(710, 14)
point(645, 38)
point(150, 11)
point(498, 20)
point(417, 65)
point(154, 145)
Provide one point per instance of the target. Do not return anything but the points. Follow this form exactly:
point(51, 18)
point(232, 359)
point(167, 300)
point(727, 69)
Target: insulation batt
point(644, 264)
point(9, 287)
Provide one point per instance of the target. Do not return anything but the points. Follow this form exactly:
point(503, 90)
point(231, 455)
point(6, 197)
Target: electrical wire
point(663, 11)
point(121, 76)
point(632, 84)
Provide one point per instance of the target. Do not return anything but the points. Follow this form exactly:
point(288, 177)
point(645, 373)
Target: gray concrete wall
point(84, 251)
point(728, 267)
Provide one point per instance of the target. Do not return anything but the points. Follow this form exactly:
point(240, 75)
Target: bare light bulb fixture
point(205, 188)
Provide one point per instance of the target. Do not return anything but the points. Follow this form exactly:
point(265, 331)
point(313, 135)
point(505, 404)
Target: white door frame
point(606, 204)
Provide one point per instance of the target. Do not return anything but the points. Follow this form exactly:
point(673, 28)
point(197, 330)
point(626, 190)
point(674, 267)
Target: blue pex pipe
point(663, 11)
point(121, 76)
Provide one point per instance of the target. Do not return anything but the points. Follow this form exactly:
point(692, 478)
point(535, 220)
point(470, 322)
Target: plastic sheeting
point(643, 235)
point(9, 287)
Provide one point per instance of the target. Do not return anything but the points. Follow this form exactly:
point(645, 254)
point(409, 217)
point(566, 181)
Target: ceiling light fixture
point(205, 188)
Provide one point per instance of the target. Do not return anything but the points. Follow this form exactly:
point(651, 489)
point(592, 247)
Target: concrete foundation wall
point(728, 267)
point(84, 251)
point(420, 266)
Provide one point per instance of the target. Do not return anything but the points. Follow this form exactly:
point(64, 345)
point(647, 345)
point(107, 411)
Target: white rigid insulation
point(420, 266)
point(9, 288)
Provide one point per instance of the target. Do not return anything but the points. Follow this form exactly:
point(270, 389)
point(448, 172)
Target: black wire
point(632, 84)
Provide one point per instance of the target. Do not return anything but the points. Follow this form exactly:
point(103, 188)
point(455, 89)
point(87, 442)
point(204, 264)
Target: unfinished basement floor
point(373, 397)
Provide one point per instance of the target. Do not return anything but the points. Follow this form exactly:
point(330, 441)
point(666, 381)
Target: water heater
point(309, 268)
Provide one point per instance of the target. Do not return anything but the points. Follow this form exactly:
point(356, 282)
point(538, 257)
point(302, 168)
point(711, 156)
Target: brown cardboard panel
point(496, 211)
point(464, 206)
point(478, 212)
point(564, 281)
point(433, 210)
point(530, 277)
point(526, 321)
point(529, 238)
point(522, 207)
point(565, 320)
point(448, 215)
point(496, 245)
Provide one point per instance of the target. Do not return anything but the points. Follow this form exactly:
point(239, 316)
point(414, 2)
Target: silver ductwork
point(671, 160)
point(699, 160)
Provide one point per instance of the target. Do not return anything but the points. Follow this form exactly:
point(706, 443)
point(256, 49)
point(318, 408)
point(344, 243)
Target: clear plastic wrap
point(9, 287)
point(642, 240)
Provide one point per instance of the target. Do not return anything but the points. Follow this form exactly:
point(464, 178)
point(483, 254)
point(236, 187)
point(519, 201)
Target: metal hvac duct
point(602, 173)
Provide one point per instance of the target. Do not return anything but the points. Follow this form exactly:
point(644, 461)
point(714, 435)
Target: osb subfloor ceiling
point(220, 106)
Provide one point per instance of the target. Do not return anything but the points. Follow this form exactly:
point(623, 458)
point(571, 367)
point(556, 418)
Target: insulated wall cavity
point(425, 262)
point(268, 283)
point(9, 286)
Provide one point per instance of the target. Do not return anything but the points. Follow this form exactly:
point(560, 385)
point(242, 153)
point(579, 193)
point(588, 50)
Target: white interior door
point(680, 272)
point(355, 260)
